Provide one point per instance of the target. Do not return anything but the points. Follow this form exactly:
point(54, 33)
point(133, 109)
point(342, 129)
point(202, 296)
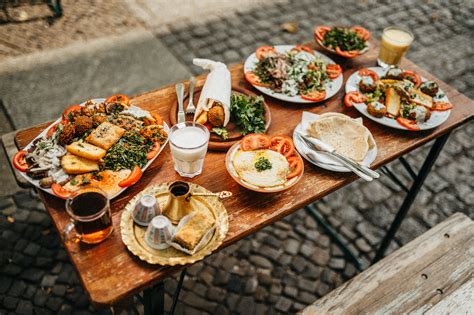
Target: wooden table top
point(109, 272)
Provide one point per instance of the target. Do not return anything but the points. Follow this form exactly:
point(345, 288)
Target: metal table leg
point(410, 197)
point(334, 236)
point(154, 299)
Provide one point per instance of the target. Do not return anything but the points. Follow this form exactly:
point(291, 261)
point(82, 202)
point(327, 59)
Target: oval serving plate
point(231, 170)
point(331, 88)
point(35, 182)
point(215, 142)
point(133, 234)
point(437, 117)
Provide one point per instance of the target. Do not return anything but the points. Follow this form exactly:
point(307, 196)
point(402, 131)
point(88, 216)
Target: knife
point(318, 145)
point(180, 95)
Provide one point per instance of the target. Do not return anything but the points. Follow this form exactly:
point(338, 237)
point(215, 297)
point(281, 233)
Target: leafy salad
point(294, 72)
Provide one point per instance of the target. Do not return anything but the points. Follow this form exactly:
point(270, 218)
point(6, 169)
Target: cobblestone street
point(287, 265)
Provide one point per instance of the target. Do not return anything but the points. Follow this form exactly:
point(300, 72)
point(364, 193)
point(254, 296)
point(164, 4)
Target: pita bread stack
point(346, 135)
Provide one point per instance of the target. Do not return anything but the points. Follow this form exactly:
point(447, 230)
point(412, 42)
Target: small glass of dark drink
point(89, 210)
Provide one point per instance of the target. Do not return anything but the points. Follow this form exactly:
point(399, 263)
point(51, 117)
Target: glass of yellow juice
point(394, 45)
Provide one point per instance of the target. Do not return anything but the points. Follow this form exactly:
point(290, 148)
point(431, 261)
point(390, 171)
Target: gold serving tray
point(133, 234)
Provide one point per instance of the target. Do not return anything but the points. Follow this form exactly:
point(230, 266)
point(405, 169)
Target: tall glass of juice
point(394, 45)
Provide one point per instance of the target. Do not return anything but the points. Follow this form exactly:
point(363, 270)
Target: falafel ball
point(394, 73)
point(419, 113)
point(98, 119)
point(376, 109)
point(83, 124)
point(429, 87)
point(67, 134)
point(216, 115)
point(367, 85)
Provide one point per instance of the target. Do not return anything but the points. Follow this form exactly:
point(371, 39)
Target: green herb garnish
point(221, 131)
point(248, 113)
point(345, 39)
point(129, 151)
point(263, 164)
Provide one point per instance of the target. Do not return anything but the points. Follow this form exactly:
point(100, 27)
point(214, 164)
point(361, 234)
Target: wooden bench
point(433, 274)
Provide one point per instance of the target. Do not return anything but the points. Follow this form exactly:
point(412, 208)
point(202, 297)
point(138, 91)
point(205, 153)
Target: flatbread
point(346, 135)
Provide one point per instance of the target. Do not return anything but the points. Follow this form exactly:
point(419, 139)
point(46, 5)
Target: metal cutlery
point(323, 147)
point(191, 108)
point(180, 95)
point(353, 166)
point(221, 195)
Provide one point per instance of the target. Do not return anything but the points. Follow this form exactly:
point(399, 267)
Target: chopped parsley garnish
point(248, 113)
point(263, 164)
point(129, 151)
point(345, 39)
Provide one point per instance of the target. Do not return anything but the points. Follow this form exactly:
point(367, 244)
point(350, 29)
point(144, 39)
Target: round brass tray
point(133, 234)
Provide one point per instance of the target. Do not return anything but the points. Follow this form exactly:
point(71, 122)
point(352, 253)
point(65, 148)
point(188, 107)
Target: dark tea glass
point(89, 209)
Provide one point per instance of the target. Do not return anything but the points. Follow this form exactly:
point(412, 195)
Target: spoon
point(221, 195)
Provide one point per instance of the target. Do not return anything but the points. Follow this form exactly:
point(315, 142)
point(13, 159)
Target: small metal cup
point(159, 232)
point(145, 210)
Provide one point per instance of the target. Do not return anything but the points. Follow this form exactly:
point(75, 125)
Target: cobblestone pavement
point(292, 262)
point(35, 30)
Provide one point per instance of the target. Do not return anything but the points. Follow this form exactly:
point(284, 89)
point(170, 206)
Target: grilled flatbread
point(344, 134)
point(86, 150)
point(106, 180)
point(105, 135)
point(73, 164)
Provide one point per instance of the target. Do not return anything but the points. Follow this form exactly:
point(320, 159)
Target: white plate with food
point(295, 74)
point(397, 98)
point(106, 143)
point(347, 135)
point(265, 164)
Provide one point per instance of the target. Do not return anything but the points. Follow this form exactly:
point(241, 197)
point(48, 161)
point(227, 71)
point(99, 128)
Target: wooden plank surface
point(431, 272)
point(105, 269)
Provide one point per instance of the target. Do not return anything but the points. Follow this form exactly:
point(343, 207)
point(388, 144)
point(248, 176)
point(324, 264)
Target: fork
point(191, 108)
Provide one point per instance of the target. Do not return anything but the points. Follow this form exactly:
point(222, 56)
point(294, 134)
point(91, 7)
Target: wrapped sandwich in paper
point(213, 106)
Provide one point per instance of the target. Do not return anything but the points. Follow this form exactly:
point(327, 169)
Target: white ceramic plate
point(437, 117)
point(331, 88)
point(230, 168)
point(35, 182)
point(324, 160)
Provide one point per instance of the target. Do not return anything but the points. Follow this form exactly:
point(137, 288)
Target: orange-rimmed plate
point(334, 51)
point(230, 168)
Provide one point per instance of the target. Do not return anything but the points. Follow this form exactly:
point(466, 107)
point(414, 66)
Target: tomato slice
point(254, 79)
point(408, 123)
point(296, 166)
point(303, 48)
point(320, 31)
point(346, 53)
point(118, 98)
point(314, 96)
point(153, 151)
point(441, 106)
point(412, 76)
point(19, 161)
point(333, 70)
point(283, 145)
point(69, 110)
point(264, 51)
point(354, 97)
point(368, 73)
point(255, 141)
point(60, 192)
point(134, 177)
point(362, 32)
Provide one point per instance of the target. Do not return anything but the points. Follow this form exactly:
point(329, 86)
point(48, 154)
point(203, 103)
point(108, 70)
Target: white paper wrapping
point(217, 87)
